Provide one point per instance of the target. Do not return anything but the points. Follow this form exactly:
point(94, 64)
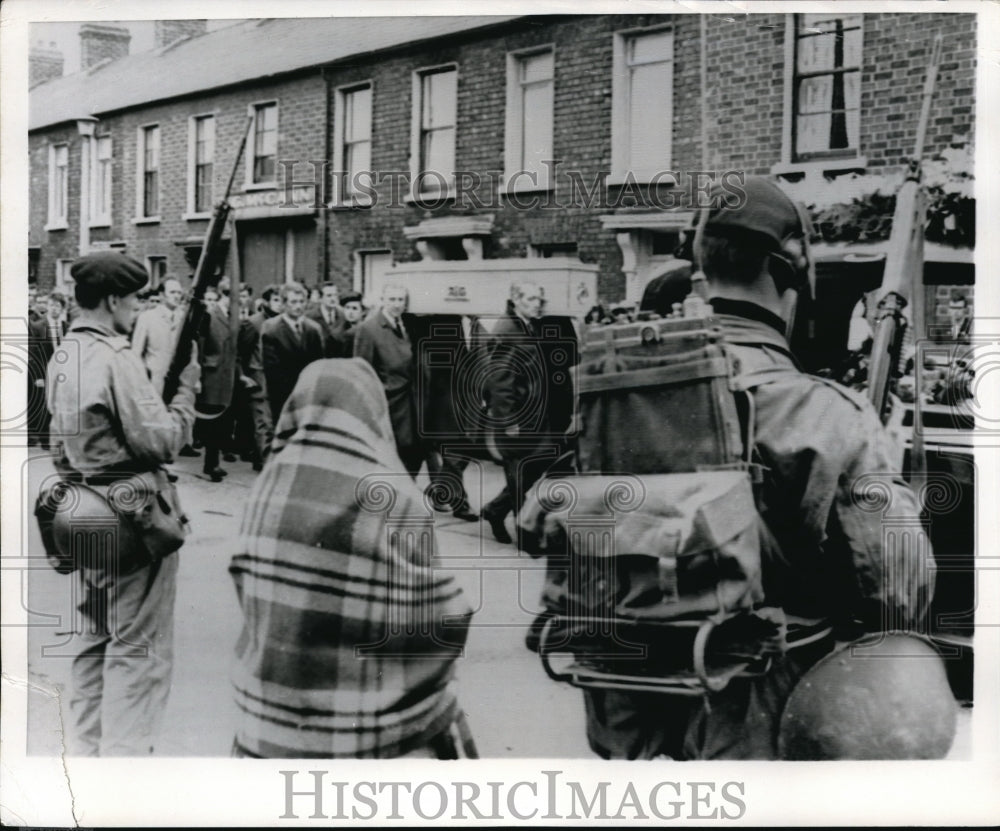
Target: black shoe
point(217, 474)
point(228, 457)
point(171, 477)
point(258, 466)
point(533, 638)
point(466, 514)
point(498, 528)
point(188, 450)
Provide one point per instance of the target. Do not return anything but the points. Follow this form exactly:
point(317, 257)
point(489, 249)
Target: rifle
point(904, 268)
point(207, 264)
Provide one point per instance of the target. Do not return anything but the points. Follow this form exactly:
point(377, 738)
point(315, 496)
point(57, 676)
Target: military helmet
point(85, 531)
point(885, 696)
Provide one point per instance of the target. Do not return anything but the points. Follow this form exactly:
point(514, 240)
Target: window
point(529, 120)
point(353, 128)
point(58, 186)
point(148, 180)
point(265, 144)
point(826, 88)
point(642, 105)
point(201, 160)
point(100, 209)
point(156, 265)
point(434, 108)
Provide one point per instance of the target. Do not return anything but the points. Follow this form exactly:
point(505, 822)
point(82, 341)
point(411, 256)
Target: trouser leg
point(139, 659)
point(87, 680)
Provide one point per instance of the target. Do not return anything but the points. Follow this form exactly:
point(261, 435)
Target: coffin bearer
point(528, 408)
point(383, 341)
point(116, 434)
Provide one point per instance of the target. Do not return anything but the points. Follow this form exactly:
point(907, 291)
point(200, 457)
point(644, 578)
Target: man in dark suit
point(45, 333)
point(289, 342)
point(217, 353)
point(331, 320)
point(530, 400)
point(382, 340)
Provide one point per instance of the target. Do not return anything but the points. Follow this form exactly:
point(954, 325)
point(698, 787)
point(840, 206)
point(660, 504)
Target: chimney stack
point(45, 62)
point(100, 42)
point(168, 31)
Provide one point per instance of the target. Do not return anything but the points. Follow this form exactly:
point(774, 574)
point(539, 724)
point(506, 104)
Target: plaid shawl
point(349, 633)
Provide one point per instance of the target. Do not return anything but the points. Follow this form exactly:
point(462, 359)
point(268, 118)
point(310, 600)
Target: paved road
point(514, 709)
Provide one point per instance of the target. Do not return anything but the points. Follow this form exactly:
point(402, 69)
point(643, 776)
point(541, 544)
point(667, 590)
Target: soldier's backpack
point(654, 544)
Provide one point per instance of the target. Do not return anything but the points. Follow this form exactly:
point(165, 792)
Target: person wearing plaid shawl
point(350, 635)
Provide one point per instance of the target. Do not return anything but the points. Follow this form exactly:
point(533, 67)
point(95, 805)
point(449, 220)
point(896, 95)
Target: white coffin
point(481, 287)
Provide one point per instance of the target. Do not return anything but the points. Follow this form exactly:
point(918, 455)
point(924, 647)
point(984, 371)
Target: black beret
point(758, 206)
point(109, 273)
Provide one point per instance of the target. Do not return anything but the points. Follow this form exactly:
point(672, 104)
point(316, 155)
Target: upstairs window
point(149, 168)
point(826, 86)
point(435, 105)
point(265, 143)
point(58, 185)
point(202, 164)
point(529, 119)
point(100, 209)
point(642, 105)
point(354, 130)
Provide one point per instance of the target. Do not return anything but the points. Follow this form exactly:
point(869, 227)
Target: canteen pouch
point(150, 501)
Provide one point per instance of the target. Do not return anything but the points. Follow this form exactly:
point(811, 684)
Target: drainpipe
point(85, 127)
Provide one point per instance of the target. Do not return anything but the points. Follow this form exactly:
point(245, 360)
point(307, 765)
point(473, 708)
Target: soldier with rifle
point(116, 436)
point(114, 518)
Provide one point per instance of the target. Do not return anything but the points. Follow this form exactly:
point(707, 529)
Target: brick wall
point(61, 244)
point(744, 96)
point(581, 136)
point(897, 50)
point(301, 119)
point(745, 60)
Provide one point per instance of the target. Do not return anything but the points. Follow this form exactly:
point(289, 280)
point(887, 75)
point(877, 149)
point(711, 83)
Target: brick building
point(380, 141)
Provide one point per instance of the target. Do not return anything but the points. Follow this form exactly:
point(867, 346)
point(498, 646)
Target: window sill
point(819, 167)
point(57, 226)
point(429, 196)
point(249, 186)
point(100, 223)
point(351, 202)
point(665, 177)
point(145, 220)
point(194, 217)
point(518, 190)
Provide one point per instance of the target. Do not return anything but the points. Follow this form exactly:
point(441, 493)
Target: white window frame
point(621, 106)
point(101, 184)
point(191, 213)
point(814, 169)
point(251, 149)
point(342, 194)
point(515, 180)
point(416, 124)
point(58, 221)
point(140, 175)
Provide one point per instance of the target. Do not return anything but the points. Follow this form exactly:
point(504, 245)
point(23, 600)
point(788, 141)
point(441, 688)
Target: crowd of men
point(264, 384)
